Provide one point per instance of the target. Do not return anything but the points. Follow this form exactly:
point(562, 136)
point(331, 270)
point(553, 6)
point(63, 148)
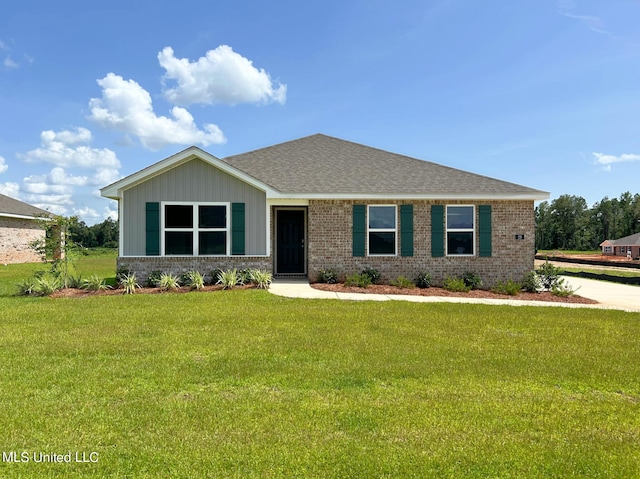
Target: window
point(461, 230)
point(196, 229)
point(382, 230)
point(607, 249)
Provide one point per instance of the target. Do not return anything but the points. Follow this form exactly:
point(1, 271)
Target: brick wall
point(15, 236)
point(330, 243)
point(143, 266)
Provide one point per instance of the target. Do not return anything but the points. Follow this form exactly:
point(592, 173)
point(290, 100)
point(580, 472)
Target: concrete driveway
point(614, 295)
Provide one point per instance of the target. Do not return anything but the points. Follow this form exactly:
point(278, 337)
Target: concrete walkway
point(609, 295)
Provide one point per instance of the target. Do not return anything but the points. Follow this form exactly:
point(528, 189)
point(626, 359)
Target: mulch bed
point(434, 291)
point(79, 293)
point(341, 288)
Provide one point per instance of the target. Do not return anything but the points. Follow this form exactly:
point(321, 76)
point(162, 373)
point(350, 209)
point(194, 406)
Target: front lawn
point(247, 384)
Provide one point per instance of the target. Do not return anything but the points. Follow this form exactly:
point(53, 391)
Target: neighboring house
point(19, 227)
point(629, 246)
point(320, 202)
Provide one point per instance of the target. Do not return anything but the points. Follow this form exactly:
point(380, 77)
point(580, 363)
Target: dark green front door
point(290, 242)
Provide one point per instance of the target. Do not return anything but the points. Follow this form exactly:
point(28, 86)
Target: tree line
point(568, 223)
point(103, 234)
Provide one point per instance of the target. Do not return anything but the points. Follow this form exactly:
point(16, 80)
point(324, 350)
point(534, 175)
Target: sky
point(544, 93)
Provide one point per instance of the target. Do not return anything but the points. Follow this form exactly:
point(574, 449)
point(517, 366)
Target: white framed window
point(195, 229)
point(382, 230)
point(607, 249)
point(461, 230)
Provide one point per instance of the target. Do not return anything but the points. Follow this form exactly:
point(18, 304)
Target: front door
point(290, 257)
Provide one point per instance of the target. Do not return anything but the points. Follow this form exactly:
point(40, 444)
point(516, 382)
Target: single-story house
point(322, 202)
point(629, 246)
point(19, 227)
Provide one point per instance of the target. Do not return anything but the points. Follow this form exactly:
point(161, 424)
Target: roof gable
point(320, 165)
point(19, 209)
point(116, 189)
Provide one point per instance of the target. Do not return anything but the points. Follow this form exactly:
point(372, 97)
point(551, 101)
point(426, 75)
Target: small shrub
point(47, 285)
point(75, 281)
point(472, 280)
point(262, 279)
point(215, 276)
point(374, 274)
point(229, 278)
point(562, 289)
point(168, 281)
point(423, 280)
point(122, 272)
point(328, 276)
point(95, 283)
point(194, 280)
point(358, 280)
point(128, 283)
point(28, 287)
point(549, 276)
point(531, 282)
point(402, 282)
point(244, 276)
point(509, 287)
point(153, 280)
point(456, 285)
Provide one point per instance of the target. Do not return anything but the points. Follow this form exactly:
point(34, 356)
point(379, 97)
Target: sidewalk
point(610, 295)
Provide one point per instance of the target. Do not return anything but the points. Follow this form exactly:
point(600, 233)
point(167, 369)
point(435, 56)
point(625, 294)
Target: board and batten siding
point(194, 180)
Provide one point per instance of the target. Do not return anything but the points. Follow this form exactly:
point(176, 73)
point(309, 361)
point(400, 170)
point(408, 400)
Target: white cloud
point(66, 150)
point(86, 213)
point(3, 165)
point(607, 160)
point(109, 213)
point(127, 107)
point(10, 189)
point(9, 64)
point(221, 76)
point(62, 149)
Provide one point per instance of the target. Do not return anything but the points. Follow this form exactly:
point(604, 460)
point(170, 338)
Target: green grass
point(631, 273)
point(551, 252)
point(247, 384)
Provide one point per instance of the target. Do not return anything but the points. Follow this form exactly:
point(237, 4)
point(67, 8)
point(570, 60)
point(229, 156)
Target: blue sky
point(544, 93)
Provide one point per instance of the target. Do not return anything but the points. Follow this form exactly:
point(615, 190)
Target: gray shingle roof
point(320, 164)
point(11, 206)
point(631, 240)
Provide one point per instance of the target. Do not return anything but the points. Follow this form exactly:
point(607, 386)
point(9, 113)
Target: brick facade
point(143, 266)
point(330, 243)
point(15, 236)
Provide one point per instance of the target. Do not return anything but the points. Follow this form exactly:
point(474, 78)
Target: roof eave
point(533, 196)
point(26, 217)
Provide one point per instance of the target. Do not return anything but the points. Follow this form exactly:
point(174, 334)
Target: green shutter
point(437, 231)
point(484, 229)
point(406, 230)
point(359, 229)
point(152, 229)
point(237, 228)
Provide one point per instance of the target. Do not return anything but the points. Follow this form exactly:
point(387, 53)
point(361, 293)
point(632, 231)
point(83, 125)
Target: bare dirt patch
point(434, 291)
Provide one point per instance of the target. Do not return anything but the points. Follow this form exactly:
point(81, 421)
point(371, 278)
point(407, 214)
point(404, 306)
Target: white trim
point(383, 230)
point(25, 217)
point(195, 229)
point(459, 230)
point(537, 196)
